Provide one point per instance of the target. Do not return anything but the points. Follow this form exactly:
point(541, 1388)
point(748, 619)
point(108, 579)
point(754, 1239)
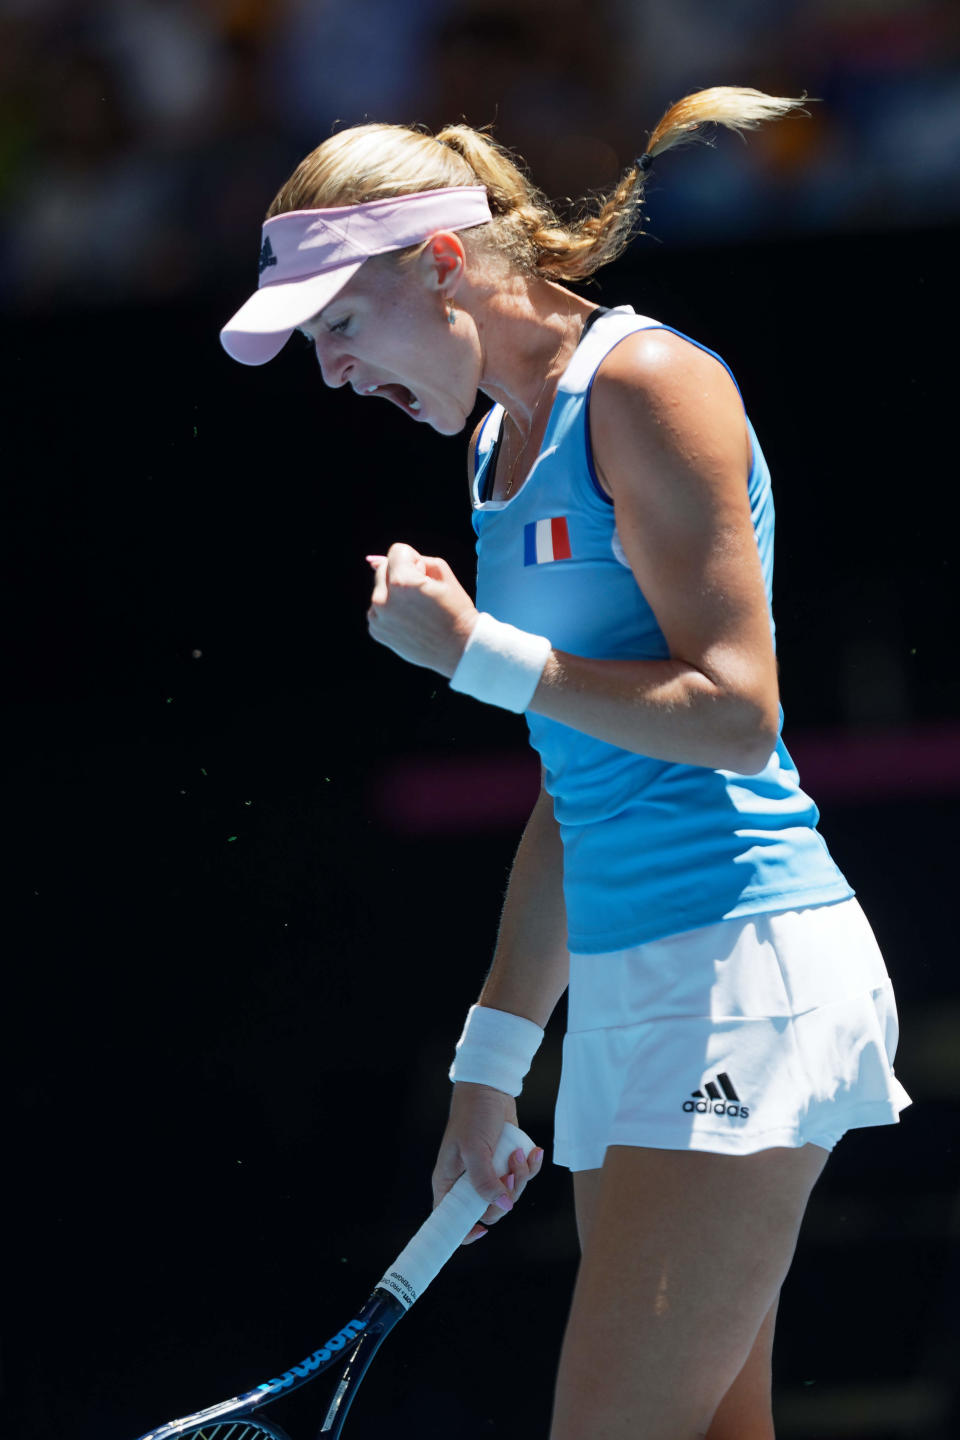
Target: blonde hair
point(374, 162)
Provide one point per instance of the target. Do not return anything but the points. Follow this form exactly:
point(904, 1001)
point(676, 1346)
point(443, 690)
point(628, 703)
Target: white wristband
point(495, 1049)
point(501, 664)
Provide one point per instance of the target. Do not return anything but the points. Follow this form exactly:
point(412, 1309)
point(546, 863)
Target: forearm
point(529, 974)
point(721, 713)
point(531, 963)
point(664, 708)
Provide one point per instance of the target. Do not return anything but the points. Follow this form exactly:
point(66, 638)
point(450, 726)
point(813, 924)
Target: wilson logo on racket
point(314, 1361)
point(351, 1349)
point(714, 1103)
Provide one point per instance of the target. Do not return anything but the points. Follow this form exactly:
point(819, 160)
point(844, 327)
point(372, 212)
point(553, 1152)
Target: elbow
point(755, 742)
point(741, 718)
point(755, 758)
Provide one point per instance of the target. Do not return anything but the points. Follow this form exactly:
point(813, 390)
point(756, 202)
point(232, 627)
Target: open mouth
point(399, 394)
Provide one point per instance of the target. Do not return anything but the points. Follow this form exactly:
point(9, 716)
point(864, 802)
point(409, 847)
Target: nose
point(335, 364)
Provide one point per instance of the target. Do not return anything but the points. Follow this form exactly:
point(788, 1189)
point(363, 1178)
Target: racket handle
point(447, 1228)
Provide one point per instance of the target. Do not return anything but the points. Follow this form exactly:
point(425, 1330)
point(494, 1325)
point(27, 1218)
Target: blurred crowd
point(141, 140)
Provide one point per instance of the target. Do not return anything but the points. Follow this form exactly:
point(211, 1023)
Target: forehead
point(380, 281)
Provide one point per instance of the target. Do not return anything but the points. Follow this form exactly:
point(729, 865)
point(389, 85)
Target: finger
point(478, 1169)
point(403, 560)
point(381, 592)
point(525, 1168)
point(454, 1161)
point(522, 1170)
point(436, 567)
point(503, 1204)
point(442, 1182)
point(519, 1174)
point(375, 560)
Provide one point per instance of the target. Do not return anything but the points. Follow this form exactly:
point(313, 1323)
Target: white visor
point(307, 256)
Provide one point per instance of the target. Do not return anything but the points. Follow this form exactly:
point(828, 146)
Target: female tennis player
point(730, 1015)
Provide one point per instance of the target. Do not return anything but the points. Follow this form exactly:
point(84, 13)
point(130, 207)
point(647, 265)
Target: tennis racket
point(354, 1346)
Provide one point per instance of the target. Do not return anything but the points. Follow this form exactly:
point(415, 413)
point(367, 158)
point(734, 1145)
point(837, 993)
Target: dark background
point(255, 862)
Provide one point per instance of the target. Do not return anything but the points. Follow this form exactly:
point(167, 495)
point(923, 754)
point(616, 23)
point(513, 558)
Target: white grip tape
point(447, 1228)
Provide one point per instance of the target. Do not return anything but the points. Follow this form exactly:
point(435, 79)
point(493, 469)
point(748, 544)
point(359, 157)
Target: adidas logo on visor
point(267, 256)
point(717, 1098)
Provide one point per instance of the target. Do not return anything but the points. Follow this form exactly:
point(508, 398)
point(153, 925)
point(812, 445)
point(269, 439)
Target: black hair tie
point(645, 161)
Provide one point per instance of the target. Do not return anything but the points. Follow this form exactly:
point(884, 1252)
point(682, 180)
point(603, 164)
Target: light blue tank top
point(651, 848)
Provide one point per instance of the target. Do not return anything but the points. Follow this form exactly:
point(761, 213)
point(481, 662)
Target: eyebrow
point(312, 319)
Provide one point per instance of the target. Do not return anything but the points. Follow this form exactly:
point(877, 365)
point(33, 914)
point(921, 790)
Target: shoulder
point(658, 360)
point(659, 398)
point(671, 445)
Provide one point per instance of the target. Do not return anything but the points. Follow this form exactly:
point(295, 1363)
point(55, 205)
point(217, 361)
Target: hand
point(477, 1116)
point(419, 609)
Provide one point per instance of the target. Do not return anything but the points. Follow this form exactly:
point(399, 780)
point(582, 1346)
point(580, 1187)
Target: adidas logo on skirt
point(710, 1101)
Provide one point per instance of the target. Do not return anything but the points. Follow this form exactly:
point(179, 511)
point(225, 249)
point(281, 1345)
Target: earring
point(452, 315)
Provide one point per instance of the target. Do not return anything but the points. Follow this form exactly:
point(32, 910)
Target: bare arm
point(529, 974)
point(671, 449)
point(531, 964)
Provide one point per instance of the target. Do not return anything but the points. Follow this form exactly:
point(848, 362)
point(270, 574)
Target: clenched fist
point(419, 609)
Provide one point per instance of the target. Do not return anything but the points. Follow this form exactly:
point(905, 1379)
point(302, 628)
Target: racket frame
point(416, 1266)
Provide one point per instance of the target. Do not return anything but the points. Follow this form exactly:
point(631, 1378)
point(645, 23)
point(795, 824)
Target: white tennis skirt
point(775, 1029)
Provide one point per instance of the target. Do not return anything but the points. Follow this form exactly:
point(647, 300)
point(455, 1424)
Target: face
point(387, 335)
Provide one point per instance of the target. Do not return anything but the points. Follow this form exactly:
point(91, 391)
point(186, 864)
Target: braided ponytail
point(373, 162)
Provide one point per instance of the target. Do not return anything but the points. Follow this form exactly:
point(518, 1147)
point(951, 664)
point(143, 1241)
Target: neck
point(528, 334)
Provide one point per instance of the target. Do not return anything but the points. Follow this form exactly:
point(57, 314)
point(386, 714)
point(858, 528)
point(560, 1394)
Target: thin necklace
point(533, 412)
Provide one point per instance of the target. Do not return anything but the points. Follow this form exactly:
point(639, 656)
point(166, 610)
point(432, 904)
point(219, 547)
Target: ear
point(443, 262)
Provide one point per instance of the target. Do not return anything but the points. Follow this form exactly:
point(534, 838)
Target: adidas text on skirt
point(776, 1029)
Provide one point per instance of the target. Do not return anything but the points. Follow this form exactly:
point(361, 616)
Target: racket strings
point(235, 1430)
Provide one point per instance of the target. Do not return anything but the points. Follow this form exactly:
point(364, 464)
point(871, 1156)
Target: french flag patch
point(546, 540)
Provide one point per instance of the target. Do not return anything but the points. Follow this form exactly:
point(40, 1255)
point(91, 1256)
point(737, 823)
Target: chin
point(447, 427)
point(451, 426)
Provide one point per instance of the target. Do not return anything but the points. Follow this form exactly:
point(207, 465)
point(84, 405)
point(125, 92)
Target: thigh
point(684, 1255)
point(746, 1411)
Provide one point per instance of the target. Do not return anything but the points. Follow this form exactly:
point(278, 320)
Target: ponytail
point(373, 162)
point(576, 251)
